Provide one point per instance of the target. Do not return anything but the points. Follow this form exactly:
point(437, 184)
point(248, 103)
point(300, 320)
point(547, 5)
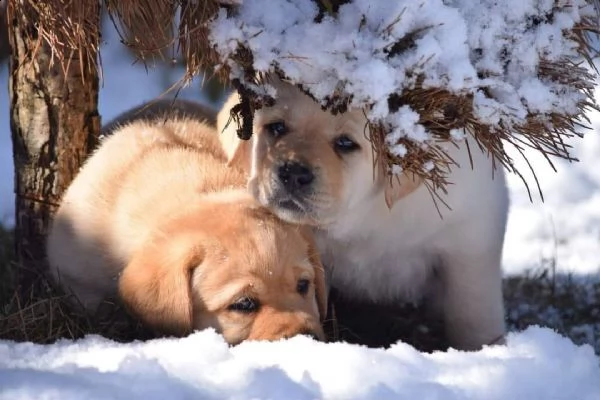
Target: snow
point(565, 228)
point(536, 364)
point(492, 51)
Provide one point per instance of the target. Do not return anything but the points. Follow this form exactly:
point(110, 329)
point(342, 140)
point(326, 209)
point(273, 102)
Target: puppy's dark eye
point(244, 305)
point(302, 286)
point(343, 144)
point(277, 128)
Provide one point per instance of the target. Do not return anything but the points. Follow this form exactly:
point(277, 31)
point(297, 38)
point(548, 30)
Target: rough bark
point(54, 124)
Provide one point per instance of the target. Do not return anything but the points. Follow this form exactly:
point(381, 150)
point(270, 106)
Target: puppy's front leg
point(473, 307)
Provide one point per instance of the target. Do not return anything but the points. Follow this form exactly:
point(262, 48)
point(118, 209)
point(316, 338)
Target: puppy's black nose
point(294, 175)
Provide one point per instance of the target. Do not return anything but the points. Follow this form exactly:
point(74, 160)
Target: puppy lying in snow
point(383, 243)
point(157, 216)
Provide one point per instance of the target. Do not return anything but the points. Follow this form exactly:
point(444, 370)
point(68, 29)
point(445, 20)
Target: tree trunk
point(3, 33)
point(54, 117)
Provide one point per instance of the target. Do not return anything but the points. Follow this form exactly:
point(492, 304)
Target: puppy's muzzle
point(295, 177)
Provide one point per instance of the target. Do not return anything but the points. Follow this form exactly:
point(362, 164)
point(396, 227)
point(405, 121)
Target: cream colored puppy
point(156, 216)
point(382, 243)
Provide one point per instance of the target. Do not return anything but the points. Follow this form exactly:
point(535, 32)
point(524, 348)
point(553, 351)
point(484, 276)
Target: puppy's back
point(141, 173)
point(164, 181)
point(161, 110)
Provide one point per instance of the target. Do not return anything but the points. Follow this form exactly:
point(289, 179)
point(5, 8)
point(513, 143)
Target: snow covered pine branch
point(427, 73)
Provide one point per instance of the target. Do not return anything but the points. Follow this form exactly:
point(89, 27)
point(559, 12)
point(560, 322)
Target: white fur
point(392, 255)
point(409, 252)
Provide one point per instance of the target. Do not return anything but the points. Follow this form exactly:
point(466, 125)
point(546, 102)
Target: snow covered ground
point(536, 364)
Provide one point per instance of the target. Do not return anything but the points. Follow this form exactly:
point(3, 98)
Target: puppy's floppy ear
point(156, 285)
point(399, 187)
point(238, 151)
point(321, 288)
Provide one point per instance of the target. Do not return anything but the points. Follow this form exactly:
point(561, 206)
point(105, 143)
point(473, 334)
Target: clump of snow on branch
point(491, 50)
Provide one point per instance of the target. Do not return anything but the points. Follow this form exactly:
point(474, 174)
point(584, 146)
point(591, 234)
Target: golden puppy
point(157, 216)
point(381, 242)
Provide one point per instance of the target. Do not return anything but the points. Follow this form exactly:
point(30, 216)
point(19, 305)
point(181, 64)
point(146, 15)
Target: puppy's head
point(232, 266)
point(308, 165)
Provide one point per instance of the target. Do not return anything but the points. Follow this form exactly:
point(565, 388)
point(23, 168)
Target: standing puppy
point(384, 243)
